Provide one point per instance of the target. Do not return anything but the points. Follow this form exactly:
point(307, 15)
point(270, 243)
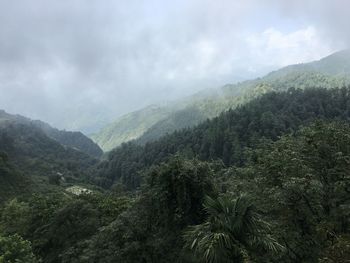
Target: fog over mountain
point(79, 64)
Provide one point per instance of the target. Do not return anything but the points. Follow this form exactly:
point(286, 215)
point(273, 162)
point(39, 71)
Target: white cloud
point(276, 49)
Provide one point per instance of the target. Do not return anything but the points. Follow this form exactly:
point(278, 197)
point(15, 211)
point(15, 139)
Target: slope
point(75, 140)
point(38, 158)
point(129, 127)
point(226, 137)
point(329, 72)
point(12, 183)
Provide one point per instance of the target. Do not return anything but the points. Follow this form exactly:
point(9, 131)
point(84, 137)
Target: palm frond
point(233, 227)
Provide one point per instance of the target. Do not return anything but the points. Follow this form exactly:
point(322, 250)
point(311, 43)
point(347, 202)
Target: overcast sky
point(72, 62)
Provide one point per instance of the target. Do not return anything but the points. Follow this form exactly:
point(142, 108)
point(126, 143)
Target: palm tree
point(233, 228)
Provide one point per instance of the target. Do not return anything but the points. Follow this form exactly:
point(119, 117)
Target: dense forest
point(70, 139)
point(266, 182)
point(226, 137)
point(34, 162)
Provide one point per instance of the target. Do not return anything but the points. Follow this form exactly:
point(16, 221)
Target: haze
point(80, 64)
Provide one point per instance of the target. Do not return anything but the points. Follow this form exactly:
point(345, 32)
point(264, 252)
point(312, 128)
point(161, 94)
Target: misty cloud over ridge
point(76, 62)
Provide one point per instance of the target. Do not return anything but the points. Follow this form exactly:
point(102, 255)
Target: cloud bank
point(78, 64)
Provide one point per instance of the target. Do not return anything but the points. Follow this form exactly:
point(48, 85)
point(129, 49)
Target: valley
point(254, 170)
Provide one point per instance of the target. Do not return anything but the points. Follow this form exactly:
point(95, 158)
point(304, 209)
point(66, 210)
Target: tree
point(177, 189)
point(70, 225)
point(55, 179)
point(232, 231)
point(15, 217)
point(151, 230)
point(14, 249)
point(304, 186)
point(338, 251)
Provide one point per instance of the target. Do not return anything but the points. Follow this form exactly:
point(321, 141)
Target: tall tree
point(233, 231)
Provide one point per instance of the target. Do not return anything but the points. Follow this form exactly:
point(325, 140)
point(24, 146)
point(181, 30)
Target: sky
point(78, 64)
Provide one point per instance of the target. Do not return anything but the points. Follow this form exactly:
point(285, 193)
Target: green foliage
point(11, 181)
point(109, 206)
point(232, 231)
point(75, 140)
point(289, 152)
point(13, 249)
point(54, 179)
point(15, 217)
point(70, 225)
point(337, 251)
point(304, 187)
point(298, 183)
point(37, 157)
point(227, 136)
point(59, 226)
point(129, 127)
point(151, 230)
point(176, 190)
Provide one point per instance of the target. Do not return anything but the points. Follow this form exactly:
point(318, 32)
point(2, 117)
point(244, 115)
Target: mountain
point(75, 140)
point(276, 166)
point(334, 64)
point(129, 127)
point(151, 123)
point(227, 136)
point(34, 157)
point(155, 121)
point(11, 181)
point(37, 158)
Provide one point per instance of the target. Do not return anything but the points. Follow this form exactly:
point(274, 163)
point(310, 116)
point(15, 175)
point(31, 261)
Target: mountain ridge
point(328, 72)
point(75, 140)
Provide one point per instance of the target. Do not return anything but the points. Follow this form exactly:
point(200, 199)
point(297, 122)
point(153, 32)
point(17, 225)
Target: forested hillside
point(266, 181)
point(71, 139)
point(280, 195)
point(32, 158)
point(227, 136)
point(332, 71)
point(129, 127)
point(12, 182)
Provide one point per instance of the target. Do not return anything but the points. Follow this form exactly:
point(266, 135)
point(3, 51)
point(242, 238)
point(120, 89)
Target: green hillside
point(12, 183)
point(226, 137)
point(39, 159)
point(262, 181)
point(265, 181)
point(75, 140)
point(129, 127)
point(147, 125)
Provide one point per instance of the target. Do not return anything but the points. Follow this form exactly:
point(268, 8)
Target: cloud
point(273, 48)
point(331, 17)
point(78, 64)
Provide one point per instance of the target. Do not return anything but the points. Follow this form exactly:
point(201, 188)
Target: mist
point(80, 64)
